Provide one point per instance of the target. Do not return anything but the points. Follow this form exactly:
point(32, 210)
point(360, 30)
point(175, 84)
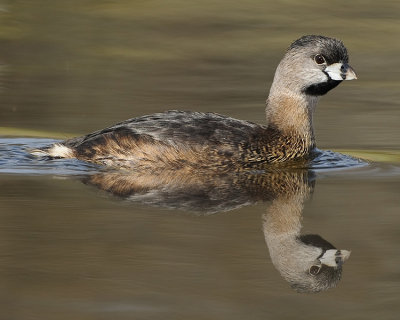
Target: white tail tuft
point(60, 151)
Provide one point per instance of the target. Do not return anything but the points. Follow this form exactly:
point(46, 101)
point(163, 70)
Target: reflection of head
point(308, 262)
point(316, 273)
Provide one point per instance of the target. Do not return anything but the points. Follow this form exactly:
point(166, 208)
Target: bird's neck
point(292, 113)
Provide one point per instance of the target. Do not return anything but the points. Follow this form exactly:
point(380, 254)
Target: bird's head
point(314, 65)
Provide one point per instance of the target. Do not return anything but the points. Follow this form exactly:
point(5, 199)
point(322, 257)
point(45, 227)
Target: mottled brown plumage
point(189, 149)
point(188, 141)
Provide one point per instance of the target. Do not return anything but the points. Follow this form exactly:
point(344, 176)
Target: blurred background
point(77, 66)
point(68, 251)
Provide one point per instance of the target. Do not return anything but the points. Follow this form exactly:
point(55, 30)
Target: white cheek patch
point(334, 71)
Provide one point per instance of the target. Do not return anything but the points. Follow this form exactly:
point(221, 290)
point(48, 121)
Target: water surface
point(70, 249)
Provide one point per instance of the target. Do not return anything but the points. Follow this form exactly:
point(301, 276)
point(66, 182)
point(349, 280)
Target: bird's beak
point(335, 258)
point(340, 71)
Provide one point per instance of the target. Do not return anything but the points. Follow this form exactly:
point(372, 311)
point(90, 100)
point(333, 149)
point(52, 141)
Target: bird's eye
point(319, 59)
point(314, 270)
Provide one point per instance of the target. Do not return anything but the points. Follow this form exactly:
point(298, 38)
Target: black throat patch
point(319, 89)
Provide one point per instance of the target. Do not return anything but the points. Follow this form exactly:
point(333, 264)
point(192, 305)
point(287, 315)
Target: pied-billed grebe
point(311, 67)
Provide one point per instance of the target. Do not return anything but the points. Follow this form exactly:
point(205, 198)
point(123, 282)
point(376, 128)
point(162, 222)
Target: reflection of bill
point(308, 262)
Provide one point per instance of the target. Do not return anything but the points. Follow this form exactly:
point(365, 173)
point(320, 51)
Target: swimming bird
point(185, 140)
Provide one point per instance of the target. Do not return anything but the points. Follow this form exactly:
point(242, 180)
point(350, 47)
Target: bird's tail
point(56, 150)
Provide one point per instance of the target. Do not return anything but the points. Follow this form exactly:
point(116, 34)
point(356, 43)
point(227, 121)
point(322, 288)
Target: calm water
point(75, 245)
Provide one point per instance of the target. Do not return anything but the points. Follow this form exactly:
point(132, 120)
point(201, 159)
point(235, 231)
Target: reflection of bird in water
point(187, 141)
point(308, 262)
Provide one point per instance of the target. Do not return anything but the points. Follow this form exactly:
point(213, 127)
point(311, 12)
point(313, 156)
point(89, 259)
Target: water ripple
point(14, 158)
point(329, 160)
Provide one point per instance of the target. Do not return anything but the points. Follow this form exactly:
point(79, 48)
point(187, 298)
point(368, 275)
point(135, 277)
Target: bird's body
point(192, 140)
point(183, 139)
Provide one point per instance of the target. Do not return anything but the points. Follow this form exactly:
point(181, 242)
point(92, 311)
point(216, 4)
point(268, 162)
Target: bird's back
point(186, 127)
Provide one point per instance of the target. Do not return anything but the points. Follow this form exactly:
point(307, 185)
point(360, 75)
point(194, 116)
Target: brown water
point(71, 251)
